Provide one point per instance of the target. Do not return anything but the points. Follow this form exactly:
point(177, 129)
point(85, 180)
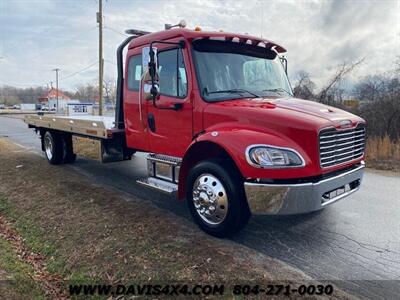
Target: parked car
point(2, 106)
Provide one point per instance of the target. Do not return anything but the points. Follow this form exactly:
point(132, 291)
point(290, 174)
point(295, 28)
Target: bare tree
point(304, 87)
point(397, 64)
point(10, 95)
point(87, 92)
point(379, 97)
point(110, 89)
point(330, 92)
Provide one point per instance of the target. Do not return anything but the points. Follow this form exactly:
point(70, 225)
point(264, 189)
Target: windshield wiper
point(277, 90)
point(232, 91)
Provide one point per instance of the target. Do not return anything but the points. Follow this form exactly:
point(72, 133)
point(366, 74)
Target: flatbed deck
point(93, 126)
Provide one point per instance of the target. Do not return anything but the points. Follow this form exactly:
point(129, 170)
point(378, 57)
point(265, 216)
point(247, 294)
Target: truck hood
point(278, 112)
point(283, 122)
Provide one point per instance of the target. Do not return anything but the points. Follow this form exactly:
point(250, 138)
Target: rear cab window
point(134, 72)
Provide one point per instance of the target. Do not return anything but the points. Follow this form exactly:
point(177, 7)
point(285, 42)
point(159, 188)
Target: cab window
point(172, 72)
point(134, 72)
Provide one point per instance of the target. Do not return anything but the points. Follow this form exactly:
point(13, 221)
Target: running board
point(158, 184)
point(163, 173)
point(164, 167)
point(165, 159)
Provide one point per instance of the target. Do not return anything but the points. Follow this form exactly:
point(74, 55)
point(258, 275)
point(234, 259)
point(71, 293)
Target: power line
point(110, 62)
point(62, 43)
point(77, 72)
point(44, 84)
point(116, 31)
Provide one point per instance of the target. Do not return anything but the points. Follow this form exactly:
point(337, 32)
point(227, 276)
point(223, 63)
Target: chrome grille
point(340, 146)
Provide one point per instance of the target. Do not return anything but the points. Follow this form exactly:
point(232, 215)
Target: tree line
point(377, 96)
point(10, 95)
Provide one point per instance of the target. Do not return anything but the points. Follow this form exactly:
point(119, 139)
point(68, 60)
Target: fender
point(229, 141)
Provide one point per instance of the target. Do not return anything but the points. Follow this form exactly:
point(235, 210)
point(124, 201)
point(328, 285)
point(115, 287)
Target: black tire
point(237, 212)
point(53, 147)
point(68, 152)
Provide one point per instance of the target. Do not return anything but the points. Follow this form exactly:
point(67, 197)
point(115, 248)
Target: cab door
point(134, 104)
point(169, 123)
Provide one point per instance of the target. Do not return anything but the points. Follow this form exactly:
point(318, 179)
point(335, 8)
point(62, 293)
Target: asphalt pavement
point(354, 243)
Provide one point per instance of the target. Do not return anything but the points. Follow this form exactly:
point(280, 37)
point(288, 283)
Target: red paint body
point(285, 122)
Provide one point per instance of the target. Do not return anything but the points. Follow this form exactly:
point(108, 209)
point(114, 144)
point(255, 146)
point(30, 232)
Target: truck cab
point(216, 113)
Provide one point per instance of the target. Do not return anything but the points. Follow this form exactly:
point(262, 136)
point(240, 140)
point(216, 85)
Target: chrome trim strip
point(357, 132)
point(362, 166)
point(341, 154)
point(339, 140)
point(326, 147)
point(345, 148)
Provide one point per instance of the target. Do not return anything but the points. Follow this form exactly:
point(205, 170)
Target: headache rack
point(119, 111)
point(340, 146)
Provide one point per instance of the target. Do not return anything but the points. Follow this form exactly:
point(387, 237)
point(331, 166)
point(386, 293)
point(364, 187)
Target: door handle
point(177, 106)
point(151, 121)
point(170, 106)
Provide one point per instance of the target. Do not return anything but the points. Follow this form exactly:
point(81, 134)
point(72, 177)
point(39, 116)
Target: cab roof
point(190, 35)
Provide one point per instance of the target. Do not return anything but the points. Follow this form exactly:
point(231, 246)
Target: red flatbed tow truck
point(216, 113)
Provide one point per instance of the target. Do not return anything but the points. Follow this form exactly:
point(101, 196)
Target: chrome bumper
point(286, 199)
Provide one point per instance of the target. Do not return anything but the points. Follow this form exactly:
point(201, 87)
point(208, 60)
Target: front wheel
point(216, 198)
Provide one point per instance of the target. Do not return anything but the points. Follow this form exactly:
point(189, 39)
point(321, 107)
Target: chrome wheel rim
point(210, 199)
point(48, 146)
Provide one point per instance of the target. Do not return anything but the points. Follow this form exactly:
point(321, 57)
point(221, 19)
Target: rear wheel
point(68, 152)
point(53, 147)
point(215, 197)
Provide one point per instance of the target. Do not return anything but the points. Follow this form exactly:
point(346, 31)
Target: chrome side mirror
point(284, 63)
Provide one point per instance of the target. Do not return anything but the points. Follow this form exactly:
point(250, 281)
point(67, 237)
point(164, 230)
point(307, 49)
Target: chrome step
point(163, 167)
point(166, 159)
point(158, 184)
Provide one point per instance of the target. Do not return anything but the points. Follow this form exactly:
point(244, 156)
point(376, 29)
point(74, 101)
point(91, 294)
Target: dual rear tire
point(58, 148)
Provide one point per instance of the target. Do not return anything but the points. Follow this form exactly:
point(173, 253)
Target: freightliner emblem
point(345, 123)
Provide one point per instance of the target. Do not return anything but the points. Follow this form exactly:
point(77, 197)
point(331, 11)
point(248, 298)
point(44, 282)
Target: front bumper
point(286, 199)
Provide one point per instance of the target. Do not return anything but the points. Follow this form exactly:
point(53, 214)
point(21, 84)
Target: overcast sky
point(38, 36)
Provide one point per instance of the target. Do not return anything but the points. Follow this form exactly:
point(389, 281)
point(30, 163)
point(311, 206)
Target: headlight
point(265, 156)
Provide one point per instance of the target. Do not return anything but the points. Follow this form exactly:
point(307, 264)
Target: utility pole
point(57, 70)
point(2, 90)
point(101, 64)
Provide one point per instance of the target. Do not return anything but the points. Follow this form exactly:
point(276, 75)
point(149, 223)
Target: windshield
point(229, 70)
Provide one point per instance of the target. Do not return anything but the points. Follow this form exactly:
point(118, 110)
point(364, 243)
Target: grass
point(15, 276)
point(383, 153)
